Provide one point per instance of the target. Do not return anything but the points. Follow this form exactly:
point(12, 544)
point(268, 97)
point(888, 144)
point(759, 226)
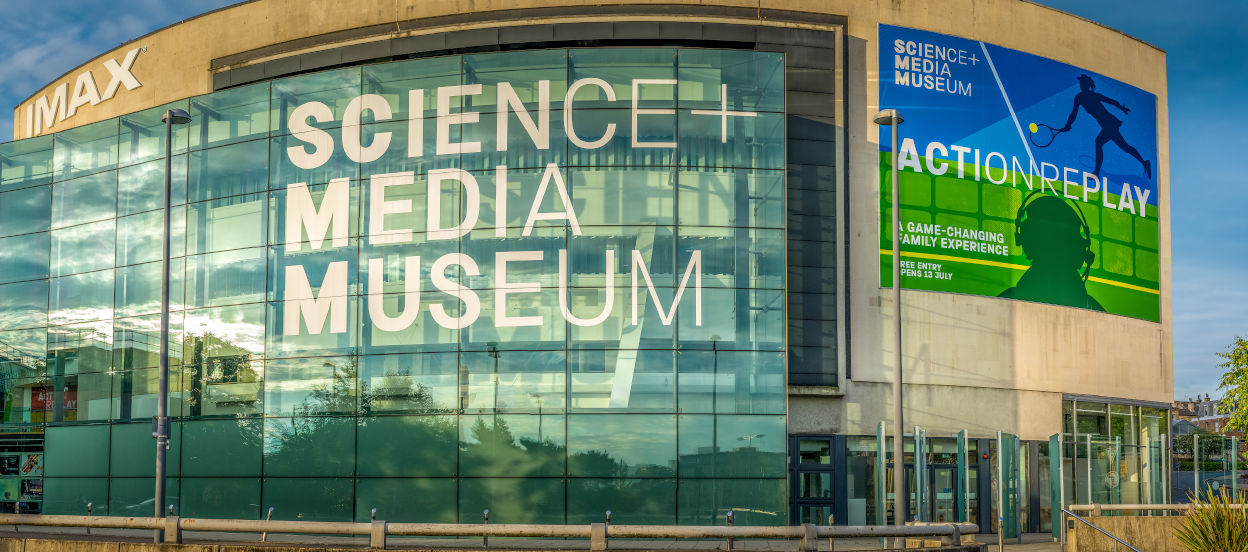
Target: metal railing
point(1096, 509)
point(1117, 541)
point(598, 533)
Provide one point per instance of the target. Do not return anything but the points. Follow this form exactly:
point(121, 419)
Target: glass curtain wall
point(668, 408)
point(1114, 453)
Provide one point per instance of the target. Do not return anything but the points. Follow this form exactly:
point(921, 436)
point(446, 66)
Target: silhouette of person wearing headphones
point(1094, 104)
point(1057, 241)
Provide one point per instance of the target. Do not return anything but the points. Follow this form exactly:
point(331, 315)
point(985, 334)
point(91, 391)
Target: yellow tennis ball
point(1032, 127)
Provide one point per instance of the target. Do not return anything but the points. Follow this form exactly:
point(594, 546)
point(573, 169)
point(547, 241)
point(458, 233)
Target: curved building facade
point(551, 259)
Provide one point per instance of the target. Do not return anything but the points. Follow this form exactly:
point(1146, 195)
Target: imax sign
point(47, 110)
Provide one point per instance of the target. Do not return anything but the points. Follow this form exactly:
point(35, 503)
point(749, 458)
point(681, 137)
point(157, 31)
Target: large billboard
point(1020, 177)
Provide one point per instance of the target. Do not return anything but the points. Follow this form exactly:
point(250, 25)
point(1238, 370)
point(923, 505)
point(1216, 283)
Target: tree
point(1234, 385)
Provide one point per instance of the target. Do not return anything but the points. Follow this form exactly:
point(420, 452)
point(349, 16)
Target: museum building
point(556, 258)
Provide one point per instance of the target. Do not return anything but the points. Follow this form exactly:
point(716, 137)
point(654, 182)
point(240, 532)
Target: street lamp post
point(892, 118)
point(161, 423)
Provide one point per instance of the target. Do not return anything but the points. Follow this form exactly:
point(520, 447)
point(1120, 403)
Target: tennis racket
point(1042, 135)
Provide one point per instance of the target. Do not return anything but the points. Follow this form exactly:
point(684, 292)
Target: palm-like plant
point(1216, 522)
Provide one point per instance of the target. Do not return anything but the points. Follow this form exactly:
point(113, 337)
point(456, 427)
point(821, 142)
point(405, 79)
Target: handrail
point(598, 533)
point(1102, 531)
point(1143, 507)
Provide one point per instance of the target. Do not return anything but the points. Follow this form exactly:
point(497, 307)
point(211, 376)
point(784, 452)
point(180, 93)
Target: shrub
point(1216, 522)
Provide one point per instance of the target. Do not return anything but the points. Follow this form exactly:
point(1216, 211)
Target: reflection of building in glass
point(663, 300)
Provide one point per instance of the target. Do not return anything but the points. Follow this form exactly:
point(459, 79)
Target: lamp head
point(176, 116)
point(888, 117)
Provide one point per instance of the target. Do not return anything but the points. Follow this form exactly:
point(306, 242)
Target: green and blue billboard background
point(1091, 232)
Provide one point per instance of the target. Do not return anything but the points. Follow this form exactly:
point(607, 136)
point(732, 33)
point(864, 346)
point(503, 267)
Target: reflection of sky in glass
point(618, 380)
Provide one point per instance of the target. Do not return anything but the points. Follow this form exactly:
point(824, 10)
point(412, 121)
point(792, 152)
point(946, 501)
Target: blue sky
point(1208, 75)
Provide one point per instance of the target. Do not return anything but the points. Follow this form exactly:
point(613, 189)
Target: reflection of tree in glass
point(215, 361)
point(397, 393)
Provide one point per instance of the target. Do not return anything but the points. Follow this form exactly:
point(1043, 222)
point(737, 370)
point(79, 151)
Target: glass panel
point(229, 223)
point(226, 277)
point(312, 336)
point(815, 451)
point(233, 332)
point(393, 81)
point(754, 81)
point(732, 198)
point(24, 257)
point(25, 353)
point(1092, 420)
point(407, 446)
point(308, 499)
point(631, 501)
point(331, 88)
point(523, 70)
point(142, 187)
point(229, 447)
point(655, 134)
point(26, 162)
point(25, 211)
point(76, 451)
point(514, 381)
point(623, 197)
point(142, 135)
point(296, 447)
point(70, 496)
point(416, 384)
point(223, 382)
point(305, 386)
point(622, 380)
point(740, 319)
point(83, 248)
point(732, 446)
point(229, 116)
point(512, 500)
point(732, 382)
point(140, 238)
point(709, 141)
point(607, 445)
point(220, 498)
point(618, 67)
point(84, 199)
point(227, 171)
point(139, 287)
point(81, 297)
point(132, 453)
point(406, 500)
point(513, 445)
point(136, 343)
point(86, 149)
point(753, 501)
point(24, 305)
point(281, 202)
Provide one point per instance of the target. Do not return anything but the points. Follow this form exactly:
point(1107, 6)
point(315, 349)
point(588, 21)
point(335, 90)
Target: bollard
point(485, 519)
point(810, 539)
point(173, 529)
point(831, 540)
point(89, 518)
point(597, 537)
point(377, 534)
point(265, 535)
point(953, 540)
point(731, 521)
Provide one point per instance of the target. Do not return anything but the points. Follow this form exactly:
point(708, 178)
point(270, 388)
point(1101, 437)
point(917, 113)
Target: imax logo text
point(45, 112)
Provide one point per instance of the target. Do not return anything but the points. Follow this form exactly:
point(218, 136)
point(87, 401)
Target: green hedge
point(1186, 465)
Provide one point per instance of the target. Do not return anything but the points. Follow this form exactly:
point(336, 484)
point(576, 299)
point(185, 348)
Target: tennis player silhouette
point(1094, 104)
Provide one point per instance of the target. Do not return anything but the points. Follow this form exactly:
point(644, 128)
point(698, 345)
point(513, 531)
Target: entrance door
point(942, 487)
point(944, 492)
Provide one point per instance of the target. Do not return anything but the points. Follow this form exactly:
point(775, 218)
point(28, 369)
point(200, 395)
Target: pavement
point(1032, 542)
